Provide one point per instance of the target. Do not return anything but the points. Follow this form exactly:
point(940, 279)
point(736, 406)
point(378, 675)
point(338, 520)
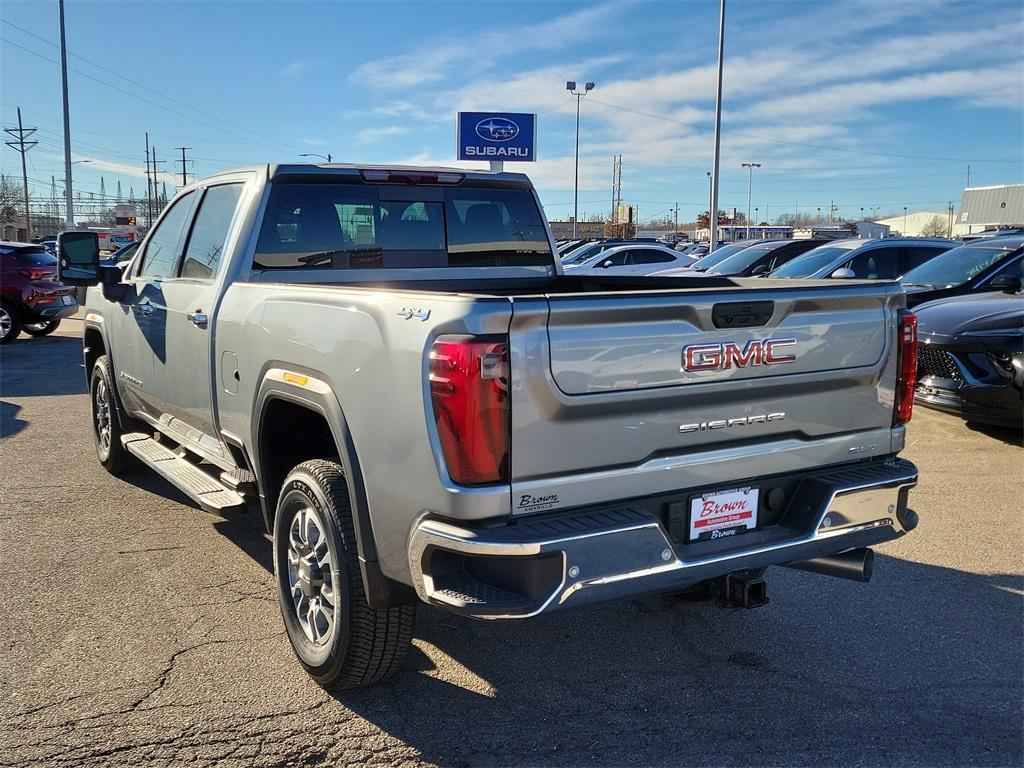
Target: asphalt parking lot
point(138, 630)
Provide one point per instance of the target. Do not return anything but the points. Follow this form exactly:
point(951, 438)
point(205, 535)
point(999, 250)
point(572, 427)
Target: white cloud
point(371, 135)
point(126, 169)
point(296, 69)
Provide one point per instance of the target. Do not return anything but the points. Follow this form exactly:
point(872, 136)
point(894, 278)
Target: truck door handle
point(198, 319)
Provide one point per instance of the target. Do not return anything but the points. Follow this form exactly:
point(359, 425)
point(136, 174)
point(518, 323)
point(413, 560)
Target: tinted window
point(617, 259)
point(956, 266)
point(875, 264)
point(811, 262)
point(164, 244)
point(210, 232)
point(34, 258)
point(719, 255)
point(353, 226)
point(651, 256)
point(915, 256)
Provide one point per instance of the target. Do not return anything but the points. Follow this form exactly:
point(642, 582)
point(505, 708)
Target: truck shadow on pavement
point(922, 666)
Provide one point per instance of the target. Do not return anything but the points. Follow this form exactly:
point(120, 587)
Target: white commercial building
point(912, 223)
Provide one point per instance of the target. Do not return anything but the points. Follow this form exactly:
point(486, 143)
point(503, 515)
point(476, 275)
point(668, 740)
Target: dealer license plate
point(68, 300)
point(723, 513)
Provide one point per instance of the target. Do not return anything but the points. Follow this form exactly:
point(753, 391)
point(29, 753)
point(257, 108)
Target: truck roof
point(275, 170)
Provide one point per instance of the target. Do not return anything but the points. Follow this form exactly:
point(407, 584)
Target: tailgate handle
point(742, 314)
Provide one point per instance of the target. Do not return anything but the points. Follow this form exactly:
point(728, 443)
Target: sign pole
point(497, 166)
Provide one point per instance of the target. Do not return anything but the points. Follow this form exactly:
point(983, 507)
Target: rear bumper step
point(534, 566)
point(204, 489)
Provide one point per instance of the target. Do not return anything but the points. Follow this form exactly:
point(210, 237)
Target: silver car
point(632, 260)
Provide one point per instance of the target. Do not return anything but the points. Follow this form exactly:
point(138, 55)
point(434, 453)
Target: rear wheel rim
point(313, 592)
point(101, 409)
point(6, 323)
point(36, 326)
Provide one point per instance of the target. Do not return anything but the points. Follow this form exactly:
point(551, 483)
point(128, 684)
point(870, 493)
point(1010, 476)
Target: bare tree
point(936, 227)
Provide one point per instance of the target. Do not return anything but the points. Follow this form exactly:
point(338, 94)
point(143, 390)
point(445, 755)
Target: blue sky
point(870, 103)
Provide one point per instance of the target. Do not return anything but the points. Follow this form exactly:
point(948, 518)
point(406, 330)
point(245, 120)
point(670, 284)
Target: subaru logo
point(497, 129)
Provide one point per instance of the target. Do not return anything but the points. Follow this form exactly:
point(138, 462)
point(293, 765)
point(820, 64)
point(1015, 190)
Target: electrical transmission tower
point(616, 186)
point(18, 142)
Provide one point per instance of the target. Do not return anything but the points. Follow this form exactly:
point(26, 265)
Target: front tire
point(40, 329)
point(340, 640)
point(10, 325)
point(106, 419)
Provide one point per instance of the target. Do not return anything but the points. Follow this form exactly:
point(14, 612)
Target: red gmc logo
point(713, 357)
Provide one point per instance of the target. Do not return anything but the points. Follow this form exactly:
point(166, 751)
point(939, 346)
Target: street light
point(750, 182)
point(904, 233)
point(570, 86)
point(819, 214)
point(326, 157)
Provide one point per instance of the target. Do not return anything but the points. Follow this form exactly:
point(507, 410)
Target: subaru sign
point(510, 136)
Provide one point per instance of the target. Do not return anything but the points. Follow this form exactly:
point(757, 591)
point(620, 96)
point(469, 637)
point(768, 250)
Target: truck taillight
point(906, 372)
point(469, 378)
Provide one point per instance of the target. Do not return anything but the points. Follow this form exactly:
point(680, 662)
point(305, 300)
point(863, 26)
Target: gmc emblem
point(714, 357)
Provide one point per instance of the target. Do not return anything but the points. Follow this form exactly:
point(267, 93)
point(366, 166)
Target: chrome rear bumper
point(533, 566)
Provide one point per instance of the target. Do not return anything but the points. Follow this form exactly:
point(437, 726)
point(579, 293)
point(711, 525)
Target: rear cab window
point(347, 225)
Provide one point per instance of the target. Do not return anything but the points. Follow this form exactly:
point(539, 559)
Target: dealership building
point(984, 208)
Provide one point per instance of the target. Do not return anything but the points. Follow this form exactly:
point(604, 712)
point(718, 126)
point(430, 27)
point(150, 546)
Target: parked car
point(970, 357)
point(988, 264)
point(757, 259)
point(634, 259)
point(392, 365)
point(31, 299)
point(589, 250)
point(876, 259)
point(721, 253)
point(49, 242)
point(693, 249)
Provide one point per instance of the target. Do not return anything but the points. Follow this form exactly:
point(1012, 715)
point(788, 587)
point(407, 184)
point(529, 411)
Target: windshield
point(812, 261)
point(740, 260)
point(719, 255)
point(955, 266)
point(34, 258)
point(381, 226)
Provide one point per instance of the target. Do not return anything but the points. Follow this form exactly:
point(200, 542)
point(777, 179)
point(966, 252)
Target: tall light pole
point(69, 205)
point(904, 232)
point(750, 183)
point(713, 213)
point(587, 88)
point(326, 157)
point(711, 203)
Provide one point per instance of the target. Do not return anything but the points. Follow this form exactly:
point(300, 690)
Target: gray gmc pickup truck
point(391, 364)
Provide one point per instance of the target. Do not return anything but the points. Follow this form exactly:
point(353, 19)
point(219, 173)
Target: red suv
point(31, 299)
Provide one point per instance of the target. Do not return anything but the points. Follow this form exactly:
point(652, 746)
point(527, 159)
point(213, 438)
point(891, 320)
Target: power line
point(120, 76)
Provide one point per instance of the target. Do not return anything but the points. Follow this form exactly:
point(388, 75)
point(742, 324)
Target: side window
point(617, 259)
point(875, 264)
point(210, 232)
point(915, 256)
point(165, 242)
point(650, 256)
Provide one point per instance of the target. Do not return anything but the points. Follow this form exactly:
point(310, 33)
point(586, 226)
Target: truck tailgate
point(629, 394)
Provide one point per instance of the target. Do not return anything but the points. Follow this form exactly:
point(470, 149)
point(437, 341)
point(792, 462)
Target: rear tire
point(107, 420)
point(340, 640)
point(10, 325)
point(40, 329)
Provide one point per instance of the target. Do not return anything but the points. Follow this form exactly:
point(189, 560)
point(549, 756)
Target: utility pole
point(149, 188)
point(713, 213)
point(19, 135)
point(949, 229)
point(155, 199)
point(676, 220)
point(69, 205)
point(968, 175)
point(750, 183)
point(184, 178)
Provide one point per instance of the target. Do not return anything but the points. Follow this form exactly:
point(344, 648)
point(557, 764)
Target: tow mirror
point(843, 273)
point(78, 258)
point(1006, 284)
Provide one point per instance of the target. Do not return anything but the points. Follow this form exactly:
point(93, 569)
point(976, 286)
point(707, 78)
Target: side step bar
point(202, 488)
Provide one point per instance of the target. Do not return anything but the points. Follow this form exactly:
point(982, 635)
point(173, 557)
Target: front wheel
point(41, 329)
point(340, 640)
point(106, 419)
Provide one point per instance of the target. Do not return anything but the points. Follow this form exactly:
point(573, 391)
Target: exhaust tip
point(854, 565)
